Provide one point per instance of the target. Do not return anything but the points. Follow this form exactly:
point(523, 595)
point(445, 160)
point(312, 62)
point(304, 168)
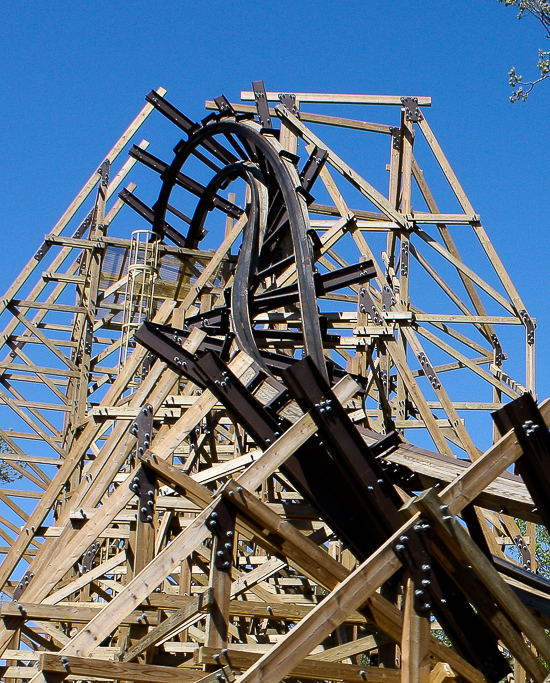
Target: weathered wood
point(309, 668)
point(415, 656)
point(82, 667)
point(104, 588)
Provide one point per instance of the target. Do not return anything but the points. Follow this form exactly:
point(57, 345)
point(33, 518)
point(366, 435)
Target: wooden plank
point(308, 117)
point(309, 668)
point(332, 98)
point(70, 613)
point(19, 367)
point(466, 440)
point(281, 611)
point(86, 667)
point(451, 246)
point(84, 580)
point(65, 471)
point(442, 673)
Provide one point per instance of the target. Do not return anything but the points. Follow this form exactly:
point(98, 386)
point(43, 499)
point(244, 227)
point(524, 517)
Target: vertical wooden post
point(415, 657)
point(217, 625)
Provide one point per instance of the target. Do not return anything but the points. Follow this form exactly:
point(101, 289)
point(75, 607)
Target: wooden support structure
point(288, 472)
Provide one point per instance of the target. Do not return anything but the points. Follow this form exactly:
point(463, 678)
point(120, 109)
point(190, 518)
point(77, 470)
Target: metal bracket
point(88, 557)
point(405, 258)
point(499, 355)
point(289, 156)
point(400, 475)
point(144, 485)
point(84, 226)
point(224, 106)
point(312, 167)
point(147, 364)
point(22, 585)
point(194, 187)
point(529, 326)
point(103, 171)
point(142, 428)
point(87, 341)
point(43, 250)
point(396, 137)
point(222, 524)
point(383, 375)
point(148, 214)
point(414, 551)
point(261, 104)
point(367, 305)
point(428, 370)
point(524, 551)
point(289, 101)
point(412, 110)
point(388, 298)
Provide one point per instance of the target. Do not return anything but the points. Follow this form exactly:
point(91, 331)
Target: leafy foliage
point(8, 473)
point(540, 9)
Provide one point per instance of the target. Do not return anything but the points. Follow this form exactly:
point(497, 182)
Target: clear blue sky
point(75, 74)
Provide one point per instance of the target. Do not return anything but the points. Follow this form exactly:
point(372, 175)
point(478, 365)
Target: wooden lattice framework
point(198, 512)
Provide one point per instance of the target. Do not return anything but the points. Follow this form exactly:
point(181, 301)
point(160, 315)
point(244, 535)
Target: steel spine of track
point(288, 181)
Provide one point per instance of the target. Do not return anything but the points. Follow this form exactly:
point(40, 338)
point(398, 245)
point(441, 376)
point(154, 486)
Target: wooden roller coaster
point(246, 426)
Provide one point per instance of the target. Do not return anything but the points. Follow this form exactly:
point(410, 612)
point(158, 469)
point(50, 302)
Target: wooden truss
point(244, 443)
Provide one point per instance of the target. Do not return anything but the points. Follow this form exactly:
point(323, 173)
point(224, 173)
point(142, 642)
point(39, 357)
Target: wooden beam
point(86, 667)
point(335, 98)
